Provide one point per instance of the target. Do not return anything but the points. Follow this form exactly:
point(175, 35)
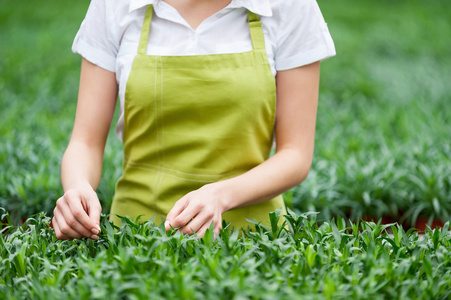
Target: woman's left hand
point(195, 211)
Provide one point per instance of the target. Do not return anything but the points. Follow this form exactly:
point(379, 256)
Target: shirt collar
point(260, 7)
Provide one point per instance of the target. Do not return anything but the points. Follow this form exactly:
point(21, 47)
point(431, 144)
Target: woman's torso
point(294, 31)
point(111, 32)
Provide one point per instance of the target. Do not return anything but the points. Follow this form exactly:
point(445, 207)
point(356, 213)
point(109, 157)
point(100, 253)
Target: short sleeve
point(303, 36)
point(95, 40)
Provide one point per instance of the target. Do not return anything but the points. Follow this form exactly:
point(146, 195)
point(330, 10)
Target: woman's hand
point(195, 211)
point(77, 214)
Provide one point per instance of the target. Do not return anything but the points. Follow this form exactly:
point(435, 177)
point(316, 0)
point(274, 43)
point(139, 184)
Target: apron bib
point(193, 120)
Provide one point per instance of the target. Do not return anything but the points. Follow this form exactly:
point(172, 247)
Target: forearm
point(82, 161)
point(281, 172)
point(297, 99)
point(81, 166)
point(77, 212)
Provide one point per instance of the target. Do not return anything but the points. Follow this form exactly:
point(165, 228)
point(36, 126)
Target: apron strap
point(255, 27)
point(145, 30)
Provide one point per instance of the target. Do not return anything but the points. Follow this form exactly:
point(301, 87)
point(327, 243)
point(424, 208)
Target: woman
point(204, 87)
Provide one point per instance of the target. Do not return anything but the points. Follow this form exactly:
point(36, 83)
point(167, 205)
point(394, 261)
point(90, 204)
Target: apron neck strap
point(255, 27)
point(145, 30)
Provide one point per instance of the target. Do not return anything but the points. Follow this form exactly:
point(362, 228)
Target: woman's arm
point(77, 212)
point(297, 100)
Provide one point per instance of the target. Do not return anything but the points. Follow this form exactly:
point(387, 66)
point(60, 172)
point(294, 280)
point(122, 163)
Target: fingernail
point(166, 224)
point(94, 237)
point(95, 231)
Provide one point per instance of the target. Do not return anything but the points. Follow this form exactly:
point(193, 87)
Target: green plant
point(382, 143)
point(306, 259)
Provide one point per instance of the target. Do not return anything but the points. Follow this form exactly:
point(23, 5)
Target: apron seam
point(167, 174)
point(162, 130)
point(176, 171)
point(158, 176)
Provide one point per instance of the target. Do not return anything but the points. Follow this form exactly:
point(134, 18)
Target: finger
point(196, 223)
point(94, 211)
point(66, 232)
point(56, 228)
point(74, 202)
point(203, 229)
point(217, 229)
point(70, 217)
point(58, 233)
point(179, 206)
point(217, 225)
point(185, 216)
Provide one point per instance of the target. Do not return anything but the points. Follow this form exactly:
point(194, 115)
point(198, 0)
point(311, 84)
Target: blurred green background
point(383, 141)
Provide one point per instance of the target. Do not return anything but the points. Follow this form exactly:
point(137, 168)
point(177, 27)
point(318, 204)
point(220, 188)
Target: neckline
point(255, 28)
point(186, 23)
point(260, 7)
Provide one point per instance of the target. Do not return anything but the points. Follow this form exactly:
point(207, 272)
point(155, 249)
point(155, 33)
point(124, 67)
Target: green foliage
point(383, 144)
point(307, 259)
point(383, 147)
point(383, 141)
point(38, 92)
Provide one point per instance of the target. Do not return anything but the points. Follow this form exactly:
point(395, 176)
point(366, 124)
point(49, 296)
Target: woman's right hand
point(77, 214)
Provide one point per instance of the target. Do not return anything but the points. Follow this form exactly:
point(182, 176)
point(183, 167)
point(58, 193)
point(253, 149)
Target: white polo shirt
point(294, 30)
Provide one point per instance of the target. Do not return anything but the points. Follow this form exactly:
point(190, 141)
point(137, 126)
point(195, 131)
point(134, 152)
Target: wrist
point(226, 194)
point(81, 185)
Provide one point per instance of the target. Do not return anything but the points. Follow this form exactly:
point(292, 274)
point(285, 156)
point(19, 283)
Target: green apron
point(193, 120)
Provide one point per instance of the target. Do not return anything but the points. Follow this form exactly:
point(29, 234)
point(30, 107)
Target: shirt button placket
point(194, 42)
